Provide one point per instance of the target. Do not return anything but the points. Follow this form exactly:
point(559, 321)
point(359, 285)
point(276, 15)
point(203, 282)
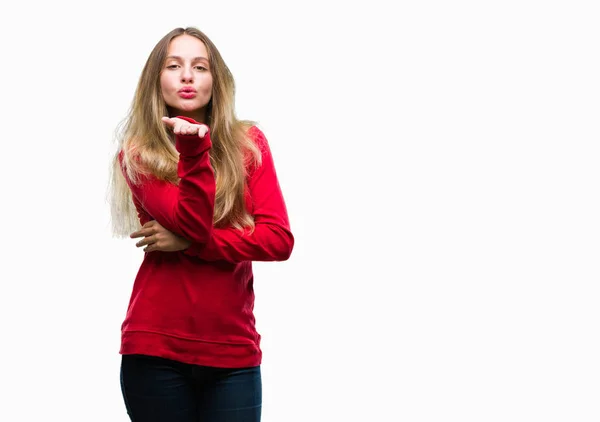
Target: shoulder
point(259, 138)
point(127, 156)
point(122, 158)
point(256, 133)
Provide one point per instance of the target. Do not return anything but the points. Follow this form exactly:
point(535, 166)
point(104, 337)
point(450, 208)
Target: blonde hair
point(148, 148)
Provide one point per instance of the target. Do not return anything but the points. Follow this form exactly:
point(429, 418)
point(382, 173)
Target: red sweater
point(196, 306)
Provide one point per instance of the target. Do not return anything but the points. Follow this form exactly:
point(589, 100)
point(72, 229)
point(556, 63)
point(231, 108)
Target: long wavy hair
point(149, 149)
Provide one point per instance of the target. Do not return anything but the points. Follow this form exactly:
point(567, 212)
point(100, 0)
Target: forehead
point(187, 46)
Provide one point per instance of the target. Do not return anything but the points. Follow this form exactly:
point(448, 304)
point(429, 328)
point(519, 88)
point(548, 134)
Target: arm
point(186, 209)
point(272, 239)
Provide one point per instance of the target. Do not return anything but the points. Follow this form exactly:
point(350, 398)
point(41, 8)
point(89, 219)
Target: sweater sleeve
point(271, 239)
point(186, 209)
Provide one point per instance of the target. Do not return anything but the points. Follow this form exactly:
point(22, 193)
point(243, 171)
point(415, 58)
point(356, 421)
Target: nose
point(187, 76)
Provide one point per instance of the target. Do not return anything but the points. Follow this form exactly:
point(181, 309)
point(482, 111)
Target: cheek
point(208, 86)
point(166, 84)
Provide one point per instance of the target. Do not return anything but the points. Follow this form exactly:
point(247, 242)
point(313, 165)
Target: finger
point(177, 127)
point(170, 122)
point(146, 241)
point(142, 233)
point(202, 131)
point(151, 248)
point(188, 130)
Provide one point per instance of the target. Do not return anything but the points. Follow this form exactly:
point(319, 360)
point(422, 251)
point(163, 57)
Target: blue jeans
point(162, 390)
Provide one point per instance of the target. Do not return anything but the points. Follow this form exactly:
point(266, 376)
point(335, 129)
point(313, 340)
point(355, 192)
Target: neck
point(197, 115)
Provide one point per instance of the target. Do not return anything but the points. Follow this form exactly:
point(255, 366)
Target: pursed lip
point(187, 90)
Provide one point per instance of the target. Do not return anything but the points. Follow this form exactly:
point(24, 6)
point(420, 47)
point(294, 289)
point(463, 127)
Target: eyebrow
point(194, 59)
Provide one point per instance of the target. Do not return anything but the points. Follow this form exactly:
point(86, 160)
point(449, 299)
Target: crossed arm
point(187, 208)
point(271, 239)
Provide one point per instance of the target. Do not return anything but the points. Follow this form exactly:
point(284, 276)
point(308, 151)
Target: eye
point(172, 66)
point(201, 68)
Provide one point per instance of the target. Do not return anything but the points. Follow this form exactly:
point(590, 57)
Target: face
point(186, 80)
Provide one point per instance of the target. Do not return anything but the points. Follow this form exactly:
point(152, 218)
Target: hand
point(159, 239)
point(182, 127)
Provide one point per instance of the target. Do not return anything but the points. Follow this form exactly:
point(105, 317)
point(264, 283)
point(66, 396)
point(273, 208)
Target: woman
point(203, 185)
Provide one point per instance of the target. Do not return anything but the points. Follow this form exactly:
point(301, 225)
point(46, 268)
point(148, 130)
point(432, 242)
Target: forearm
point(268, 242)
point(271, 239)
point(185, 209)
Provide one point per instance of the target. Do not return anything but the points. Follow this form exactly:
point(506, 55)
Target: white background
point(440, 165)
